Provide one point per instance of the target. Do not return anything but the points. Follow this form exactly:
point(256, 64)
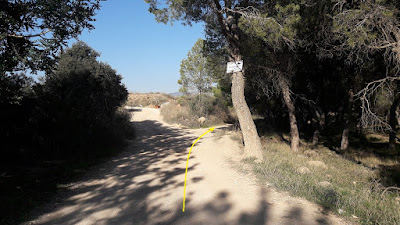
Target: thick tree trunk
point(253, 147)
point(344, 144)
point(294, 131)
point(393, 123)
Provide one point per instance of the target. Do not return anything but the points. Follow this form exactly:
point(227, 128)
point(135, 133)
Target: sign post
point(236, 66)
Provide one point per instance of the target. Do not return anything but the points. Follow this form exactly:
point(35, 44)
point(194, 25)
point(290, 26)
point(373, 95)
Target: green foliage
point(364, 28)
point(355, 36)
point(74, 110)
point(72, 117)
point(199, 71)
point(323, 49)
point(81, 98)
point(188, 11)
point(275, 29)
point(13, 88)
point(195, 76)
point(32, 32)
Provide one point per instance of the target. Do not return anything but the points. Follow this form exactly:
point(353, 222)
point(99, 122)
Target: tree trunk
point(294, 131)
point(393, 123)
point(319, 126)
point(315, 139)
point(252, 143)
point(344, 144)
point(230, 29)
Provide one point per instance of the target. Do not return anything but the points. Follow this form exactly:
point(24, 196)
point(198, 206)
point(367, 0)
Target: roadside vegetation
point(49, 129)
point(193, 112)
point(338, 184)
point(323, 77)
point(202, 103)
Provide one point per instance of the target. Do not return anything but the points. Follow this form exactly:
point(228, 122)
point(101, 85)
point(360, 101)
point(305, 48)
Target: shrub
point(16, 105)
point(186, 111)
point(70, 120)
point(80, 100)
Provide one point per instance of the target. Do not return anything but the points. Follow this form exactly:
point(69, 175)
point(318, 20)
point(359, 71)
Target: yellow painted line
point(187, 164)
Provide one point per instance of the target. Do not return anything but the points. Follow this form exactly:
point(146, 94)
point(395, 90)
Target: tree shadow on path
point(112, 187)
point(136, 186)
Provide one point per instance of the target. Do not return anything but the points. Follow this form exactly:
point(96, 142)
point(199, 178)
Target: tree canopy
point(195, 75)
point(33, 32)
point(313, 58)
point(82, 94)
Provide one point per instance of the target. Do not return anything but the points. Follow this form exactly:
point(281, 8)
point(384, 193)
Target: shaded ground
point(144, 185)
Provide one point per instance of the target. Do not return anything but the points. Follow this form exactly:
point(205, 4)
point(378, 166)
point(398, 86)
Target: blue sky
point(146, 53)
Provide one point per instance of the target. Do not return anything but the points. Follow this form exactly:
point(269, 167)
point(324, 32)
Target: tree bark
point(252, 143)
point(393, 123)
point(344, 144)
point(294, 131)
point(315, 139)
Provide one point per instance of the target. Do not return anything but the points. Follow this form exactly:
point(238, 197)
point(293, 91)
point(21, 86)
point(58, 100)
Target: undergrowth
point(187, 111)
point(349, 189)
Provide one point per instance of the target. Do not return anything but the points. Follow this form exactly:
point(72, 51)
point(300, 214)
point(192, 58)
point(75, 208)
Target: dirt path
point(144, 185)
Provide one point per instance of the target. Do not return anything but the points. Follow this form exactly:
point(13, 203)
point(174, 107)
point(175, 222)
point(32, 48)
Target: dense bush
point(63, 124)
point(81, 98)
point(16, 105)
point(74, 109)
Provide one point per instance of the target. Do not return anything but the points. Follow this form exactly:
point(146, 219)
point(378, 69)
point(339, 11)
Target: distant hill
point(176, 94)
point(146, 99)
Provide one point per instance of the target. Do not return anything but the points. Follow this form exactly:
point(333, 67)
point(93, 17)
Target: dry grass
point(181, 114)
point(330, 180)
point(377, 138)
point(238, 137)
point(146, 99)
point(375, 153)
point(373, 161)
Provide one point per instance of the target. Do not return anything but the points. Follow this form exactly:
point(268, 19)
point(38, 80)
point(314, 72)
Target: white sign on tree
point(232, 67)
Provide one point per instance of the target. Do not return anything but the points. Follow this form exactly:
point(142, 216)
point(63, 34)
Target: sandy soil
point(144, 185)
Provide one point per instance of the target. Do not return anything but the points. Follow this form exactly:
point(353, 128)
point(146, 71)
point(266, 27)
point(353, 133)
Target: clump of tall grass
point(342, 186)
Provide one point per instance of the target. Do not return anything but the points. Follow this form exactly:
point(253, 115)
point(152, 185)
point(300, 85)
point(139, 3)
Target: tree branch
point(368, 117)
point(31, 35)
point(224, 25)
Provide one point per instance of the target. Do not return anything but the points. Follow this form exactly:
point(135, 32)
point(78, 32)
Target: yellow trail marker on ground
point(187, 163)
